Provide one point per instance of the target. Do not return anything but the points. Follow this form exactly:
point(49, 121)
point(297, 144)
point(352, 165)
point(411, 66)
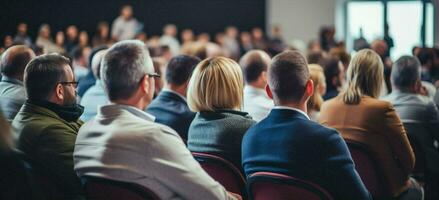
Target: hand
point(235, 196)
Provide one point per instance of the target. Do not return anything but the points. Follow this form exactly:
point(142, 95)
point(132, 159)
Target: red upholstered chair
point(274, 186)
point(368, 169)
point(106, 189)
point(222, 171)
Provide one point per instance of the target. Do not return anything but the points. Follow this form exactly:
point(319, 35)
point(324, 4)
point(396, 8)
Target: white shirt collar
point(174, 92)
point(133, 110)
point(255, 90)
point(291, 108)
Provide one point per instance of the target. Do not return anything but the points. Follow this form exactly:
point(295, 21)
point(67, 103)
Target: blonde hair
point(216, 83)
point(318, 77)
point(365, 76)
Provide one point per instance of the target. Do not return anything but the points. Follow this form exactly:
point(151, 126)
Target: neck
point(131, 102)
point(18, 77)
point(257, 85)
point(299, 106)
point(180, 89)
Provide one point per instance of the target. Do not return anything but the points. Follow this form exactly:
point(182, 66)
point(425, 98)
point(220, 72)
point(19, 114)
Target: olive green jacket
point(49, 141)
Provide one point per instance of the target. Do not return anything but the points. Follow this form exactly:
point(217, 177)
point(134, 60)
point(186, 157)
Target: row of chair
point(259, 186)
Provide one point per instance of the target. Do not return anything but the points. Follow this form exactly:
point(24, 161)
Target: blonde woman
point(215, 92)
point(316, 100)
point(359, 116)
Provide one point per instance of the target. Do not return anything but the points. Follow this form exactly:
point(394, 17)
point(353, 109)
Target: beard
point(70, 99)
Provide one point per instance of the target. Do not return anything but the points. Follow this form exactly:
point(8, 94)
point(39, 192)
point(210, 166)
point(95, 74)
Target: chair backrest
point(420, 139)
point(222, 171)
point(97, 188)
point(367, 168)
point(274, 186)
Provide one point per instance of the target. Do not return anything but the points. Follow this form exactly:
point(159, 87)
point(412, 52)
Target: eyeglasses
point(154, 75)
point(73, 83)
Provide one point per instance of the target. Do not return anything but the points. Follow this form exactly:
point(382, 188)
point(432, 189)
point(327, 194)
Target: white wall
point(300, 19)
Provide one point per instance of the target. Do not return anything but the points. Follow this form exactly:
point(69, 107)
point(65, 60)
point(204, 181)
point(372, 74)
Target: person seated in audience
point(79, 62)
point(335, 76)
point(159, 63)
point(12, 64)
point(95, 96)
point(45, 41)
point(48, 122)
point(316, 100)
point(22, 37)
point(315, 57)
point(124, 143)
point(361, 117)
point(215, 93)
point(426, 57)
point(288, 142)
point(125, 26)
point(254, 66)
point(170, 106)
point(90, 79)
point(15, 181)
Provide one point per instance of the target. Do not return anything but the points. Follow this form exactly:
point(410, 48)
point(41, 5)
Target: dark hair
point(180, 68)
point(77, 53)
point(405, 72)
point(123, 66)
point(331, 68)
point(424, 55)
point(253, 64)
point(15, 59)
point(43, 73)
point(315, 57)
point(288, 75)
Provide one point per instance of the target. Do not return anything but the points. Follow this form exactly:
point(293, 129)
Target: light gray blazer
point(12, 97)
point(123, 143)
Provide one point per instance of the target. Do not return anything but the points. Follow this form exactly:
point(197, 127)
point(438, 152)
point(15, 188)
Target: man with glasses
point(123, 143)
point(47, 123)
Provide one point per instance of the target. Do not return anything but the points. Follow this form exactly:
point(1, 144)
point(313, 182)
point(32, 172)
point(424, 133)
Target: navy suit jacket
point(287, 142)
point(172, 110)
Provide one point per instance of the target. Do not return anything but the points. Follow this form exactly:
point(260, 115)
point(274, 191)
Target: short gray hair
point(405, 72)
point(123, 66)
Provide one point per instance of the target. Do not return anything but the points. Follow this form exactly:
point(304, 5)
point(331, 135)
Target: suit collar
point(12, 80)
point(287, 112)
point(113, 110)
point(167, 93)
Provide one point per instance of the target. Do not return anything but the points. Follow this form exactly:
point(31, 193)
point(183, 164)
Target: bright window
point(367, 16)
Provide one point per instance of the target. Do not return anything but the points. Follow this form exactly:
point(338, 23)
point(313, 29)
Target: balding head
point(96, 63)
point(14, 60)
point(254, 63)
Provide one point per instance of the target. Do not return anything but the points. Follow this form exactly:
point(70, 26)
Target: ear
point(59, 92)
point(417, 87)
point(309, 90)
point(268, 90)
point(144, 84)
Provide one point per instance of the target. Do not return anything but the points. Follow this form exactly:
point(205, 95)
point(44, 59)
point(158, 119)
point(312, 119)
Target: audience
point(316, 100)
point(334, 75)
point(71, 38)
point(22, 37)
point(123, 142)
point(361, 117)
point(215, 92)
point(170, 106)
point(12, 64)
point(47, 123)
point(288, 142)
point(95, 95)
point(169, 39)
point(79, 62)
point(254, 66)
point(44, 40)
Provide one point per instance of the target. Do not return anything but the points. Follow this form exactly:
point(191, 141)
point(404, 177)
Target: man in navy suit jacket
point(287, 142)
point(170, 106)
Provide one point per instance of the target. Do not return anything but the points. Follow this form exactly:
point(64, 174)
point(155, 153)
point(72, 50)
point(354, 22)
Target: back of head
point(216, 83)
point(318, 78)
point(405, 73)
point(425, 56)
point(288, 76)
point(253, 63)
point(14, 61)
point(180, 69)
point(96, 63)
point(365, 76)
point(123, 67)
point(315, 57)
point(332, 69)
point(43, 73)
